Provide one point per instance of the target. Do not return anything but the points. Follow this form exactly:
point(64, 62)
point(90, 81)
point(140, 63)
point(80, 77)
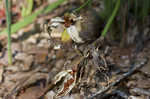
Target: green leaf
point(31, 18)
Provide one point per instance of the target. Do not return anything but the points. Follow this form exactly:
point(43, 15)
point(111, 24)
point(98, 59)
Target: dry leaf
point(68, 79)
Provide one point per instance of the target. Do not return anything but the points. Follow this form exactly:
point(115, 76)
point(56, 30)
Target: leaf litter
point(69, 73)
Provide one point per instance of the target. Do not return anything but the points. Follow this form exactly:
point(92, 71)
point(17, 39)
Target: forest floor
point(36, 62)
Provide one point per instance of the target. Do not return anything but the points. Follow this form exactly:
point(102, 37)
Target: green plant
point(139, 8)
point(136, 9)
point(110, 20)
point(31, 18)
point(27, 8)
point(8, 18)
point(108, 8)
point(82, 6)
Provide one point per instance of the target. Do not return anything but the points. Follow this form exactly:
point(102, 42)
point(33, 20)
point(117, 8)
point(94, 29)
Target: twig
point(47, 89)
point(120, 93)
point(125, 75)
point(140, 91)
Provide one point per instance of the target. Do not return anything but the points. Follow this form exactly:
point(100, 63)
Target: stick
point(125, 75)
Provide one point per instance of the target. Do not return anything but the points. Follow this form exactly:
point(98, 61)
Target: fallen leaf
point(68, 81)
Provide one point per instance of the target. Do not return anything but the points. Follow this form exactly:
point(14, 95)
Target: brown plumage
point(91, 25)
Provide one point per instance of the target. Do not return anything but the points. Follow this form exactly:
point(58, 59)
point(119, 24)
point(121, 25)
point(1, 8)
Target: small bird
point(85, 27)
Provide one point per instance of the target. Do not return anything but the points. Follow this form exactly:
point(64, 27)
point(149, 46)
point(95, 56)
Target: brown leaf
point(31, 93)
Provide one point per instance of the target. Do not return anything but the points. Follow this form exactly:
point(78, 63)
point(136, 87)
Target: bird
point(83, 27)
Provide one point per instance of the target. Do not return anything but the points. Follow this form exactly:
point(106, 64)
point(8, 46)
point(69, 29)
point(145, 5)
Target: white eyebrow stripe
point(57, 19)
